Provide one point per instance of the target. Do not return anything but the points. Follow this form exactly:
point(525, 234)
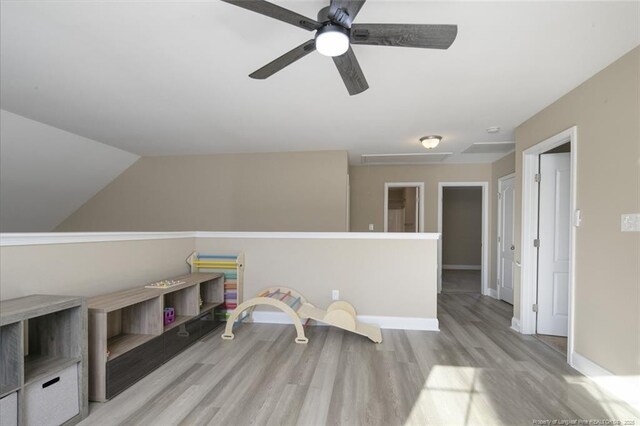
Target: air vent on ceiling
point(490, 148)
point(417, 158)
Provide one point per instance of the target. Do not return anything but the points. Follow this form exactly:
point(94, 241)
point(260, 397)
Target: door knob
point(513, 247)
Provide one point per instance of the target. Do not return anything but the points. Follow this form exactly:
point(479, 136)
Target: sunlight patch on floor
point(451, 395)
point(598, 388)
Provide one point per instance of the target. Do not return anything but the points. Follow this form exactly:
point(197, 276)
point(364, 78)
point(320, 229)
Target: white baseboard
point(625, 388)
point(402, 323)
point(493, 293)
point(269, 317)
point(463, 267)
point(388, 323)
point(515, 324)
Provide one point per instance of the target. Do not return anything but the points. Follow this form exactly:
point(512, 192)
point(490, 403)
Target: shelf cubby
point(132, 326)
point(10, 354)
point(211, 294)
point(186, 304)
point(53, 343)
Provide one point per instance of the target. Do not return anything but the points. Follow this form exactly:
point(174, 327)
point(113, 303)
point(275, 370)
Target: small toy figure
point(169, 316)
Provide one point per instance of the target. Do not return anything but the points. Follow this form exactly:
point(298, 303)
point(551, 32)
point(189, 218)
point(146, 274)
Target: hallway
point(461, 281)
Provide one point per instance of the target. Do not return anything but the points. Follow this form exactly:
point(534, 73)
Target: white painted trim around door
point(528, 253)
point(420, 186)
point(485, 230)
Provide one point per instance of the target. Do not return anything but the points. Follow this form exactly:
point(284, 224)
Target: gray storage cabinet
point(43, 360)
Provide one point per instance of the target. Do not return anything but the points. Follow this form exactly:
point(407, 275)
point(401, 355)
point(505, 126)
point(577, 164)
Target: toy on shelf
point(339, 314)
point(165, 284)
point(169, 316)
point(232, 267)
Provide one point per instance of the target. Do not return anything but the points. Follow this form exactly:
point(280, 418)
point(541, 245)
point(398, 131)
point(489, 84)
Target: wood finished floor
point(555, 342)
point(474, 371)
point(461, 281)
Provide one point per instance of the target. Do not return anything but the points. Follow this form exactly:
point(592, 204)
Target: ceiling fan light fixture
point(430, 141)
point(332, 40)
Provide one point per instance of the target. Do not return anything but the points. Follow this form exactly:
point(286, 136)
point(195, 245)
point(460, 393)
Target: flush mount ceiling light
point(332, 40)
point(430, 141)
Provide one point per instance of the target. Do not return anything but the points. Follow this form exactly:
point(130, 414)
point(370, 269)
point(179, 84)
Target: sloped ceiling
point(47, 173)
point(166, 77)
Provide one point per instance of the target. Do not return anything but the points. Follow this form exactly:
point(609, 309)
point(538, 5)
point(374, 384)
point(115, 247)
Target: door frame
point(485, 231)
point(500, 201)
point(529, 254)
point(420, 186)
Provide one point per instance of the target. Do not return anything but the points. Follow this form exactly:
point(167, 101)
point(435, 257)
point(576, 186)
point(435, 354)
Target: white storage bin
point(52, 400)
point(9, 410)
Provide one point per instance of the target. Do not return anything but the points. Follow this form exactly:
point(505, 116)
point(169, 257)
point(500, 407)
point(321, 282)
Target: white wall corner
point(515, 324)
point(387, 323)
point(493, 293)
point(624, 388)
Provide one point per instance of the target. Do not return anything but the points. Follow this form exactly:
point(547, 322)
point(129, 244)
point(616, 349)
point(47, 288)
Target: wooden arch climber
point(287, 300)
point(339, 314)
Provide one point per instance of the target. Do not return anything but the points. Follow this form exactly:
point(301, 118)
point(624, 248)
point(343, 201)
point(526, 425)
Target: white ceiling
point(166, 77)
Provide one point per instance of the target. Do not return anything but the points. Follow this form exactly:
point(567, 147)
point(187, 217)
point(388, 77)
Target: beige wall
point(89, 269)
point(462, 226)
point(367, 189)
point(296, 191)
point(503, 167)
point(401, 284)
point(379, 277)
point(606, 111)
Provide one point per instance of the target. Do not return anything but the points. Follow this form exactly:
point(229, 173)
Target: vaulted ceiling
point(166, 77)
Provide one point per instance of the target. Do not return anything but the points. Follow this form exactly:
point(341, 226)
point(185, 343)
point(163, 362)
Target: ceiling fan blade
point(345, 11)
point(351, 72)
point(404, 35)
point(276, 12)
point(285, 60)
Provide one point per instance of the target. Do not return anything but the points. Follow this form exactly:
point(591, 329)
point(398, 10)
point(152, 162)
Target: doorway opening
point(463, 223)
point(404, 207)
point(549, 221)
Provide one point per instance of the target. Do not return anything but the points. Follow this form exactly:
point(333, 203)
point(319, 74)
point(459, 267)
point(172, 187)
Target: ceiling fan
point(335, 32)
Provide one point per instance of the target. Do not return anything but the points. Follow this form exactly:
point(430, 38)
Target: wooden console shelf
point(127, 335)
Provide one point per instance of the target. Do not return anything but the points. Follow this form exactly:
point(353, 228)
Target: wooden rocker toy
point(339, 314)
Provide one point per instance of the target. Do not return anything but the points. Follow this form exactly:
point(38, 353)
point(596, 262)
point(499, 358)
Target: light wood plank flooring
point(474, 371)
point(461, 281)
point(555, 342)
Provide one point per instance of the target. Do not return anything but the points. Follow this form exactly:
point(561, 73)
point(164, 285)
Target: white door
point(506, 269)
point(553, 252)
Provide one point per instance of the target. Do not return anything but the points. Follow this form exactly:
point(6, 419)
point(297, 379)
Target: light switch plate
point(630, 222)
point(335, 295)
point(371, 227)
